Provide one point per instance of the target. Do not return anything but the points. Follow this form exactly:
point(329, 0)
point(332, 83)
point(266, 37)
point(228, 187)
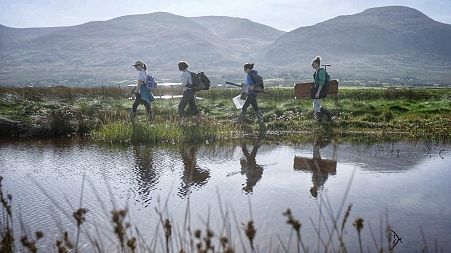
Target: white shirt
point(186, 79)
point(142, 76)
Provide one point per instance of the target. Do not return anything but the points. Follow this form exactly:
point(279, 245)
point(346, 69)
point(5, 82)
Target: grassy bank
point(102, 114)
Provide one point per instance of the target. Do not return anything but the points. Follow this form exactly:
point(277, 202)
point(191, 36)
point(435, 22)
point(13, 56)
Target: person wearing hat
point(142, 93)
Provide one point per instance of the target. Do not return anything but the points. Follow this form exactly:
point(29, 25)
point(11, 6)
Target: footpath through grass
point(101, 113)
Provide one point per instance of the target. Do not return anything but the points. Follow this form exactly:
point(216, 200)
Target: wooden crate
point(302, 90)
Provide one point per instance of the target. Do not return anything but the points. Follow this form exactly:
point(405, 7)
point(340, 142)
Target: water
point(404, 183)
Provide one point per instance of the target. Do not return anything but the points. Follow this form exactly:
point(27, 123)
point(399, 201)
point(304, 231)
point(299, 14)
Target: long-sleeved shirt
point(186, 79)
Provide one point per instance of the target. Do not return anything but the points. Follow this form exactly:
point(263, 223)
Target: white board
point(238, 102)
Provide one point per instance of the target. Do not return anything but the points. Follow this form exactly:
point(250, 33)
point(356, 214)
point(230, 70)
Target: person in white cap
point(142, 93)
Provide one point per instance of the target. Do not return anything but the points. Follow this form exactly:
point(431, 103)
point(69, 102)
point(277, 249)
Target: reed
point(331, 238)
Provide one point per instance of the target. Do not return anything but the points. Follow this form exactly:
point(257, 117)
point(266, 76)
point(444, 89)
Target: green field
point(101, 114)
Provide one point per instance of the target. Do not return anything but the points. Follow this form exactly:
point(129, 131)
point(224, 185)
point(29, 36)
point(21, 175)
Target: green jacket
point(320, 77)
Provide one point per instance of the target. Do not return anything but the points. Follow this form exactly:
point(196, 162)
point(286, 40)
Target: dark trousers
point(188, 98)
point(250, 100)
point(139, 101)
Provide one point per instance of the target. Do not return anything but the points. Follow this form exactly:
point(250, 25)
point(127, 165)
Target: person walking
point(319, 78)
point(252, 84)
point(188, 91)
point(142, 93)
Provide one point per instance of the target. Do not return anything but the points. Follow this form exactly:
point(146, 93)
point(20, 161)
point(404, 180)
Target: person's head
point(183, 65)
point(140, 65)
point(248, 67)
point(316, 63)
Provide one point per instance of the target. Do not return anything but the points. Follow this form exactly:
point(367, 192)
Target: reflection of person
point(250, 168)
point(193, 175)
point(145, 173)
point(320, 168)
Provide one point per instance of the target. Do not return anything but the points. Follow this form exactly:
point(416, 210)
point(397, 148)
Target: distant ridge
point(384, 43)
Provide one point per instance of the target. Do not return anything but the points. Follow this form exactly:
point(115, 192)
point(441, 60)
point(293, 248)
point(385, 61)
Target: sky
point(282, 14)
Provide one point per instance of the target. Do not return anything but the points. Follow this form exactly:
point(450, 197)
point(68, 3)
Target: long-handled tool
point(240, 85)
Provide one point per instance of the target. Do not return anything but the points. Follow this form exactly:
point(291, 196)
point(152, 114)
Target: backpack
point(324, 90)
point(200, 81)
point(151, 83)
point(258, 80)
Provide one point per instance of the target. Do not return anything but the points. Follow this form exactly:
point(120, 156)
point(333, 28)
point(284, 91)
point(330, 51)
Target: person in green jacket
point(320, 79)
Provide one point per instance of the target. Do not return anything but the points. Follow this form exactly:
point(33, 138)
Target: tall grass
point(61, 111)
point(163, 132)
point(236, 234)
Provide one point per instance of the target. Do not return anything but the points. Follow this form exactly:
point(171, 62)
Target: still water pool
point(405, 185)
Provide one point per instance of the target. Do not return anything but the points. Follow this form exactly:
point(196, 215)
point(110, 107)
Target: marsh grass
point(170, 236)
point(61, 111)
point(163, 131)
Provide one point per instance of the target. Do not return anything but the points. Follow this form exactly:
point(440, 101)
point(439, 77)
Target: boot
point(240, 119)
point(317, 116)
point(131, 117)
point(327, 113)
point(150, 116)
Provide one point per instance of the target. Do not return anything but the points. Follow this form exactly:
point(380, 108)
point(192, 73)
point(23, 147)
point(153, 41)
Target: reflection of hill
point(386, 157)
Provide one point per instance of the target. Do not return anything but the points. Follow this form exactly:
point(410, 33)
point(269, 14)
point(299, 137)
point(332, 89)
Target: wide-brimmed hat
point(138, 62)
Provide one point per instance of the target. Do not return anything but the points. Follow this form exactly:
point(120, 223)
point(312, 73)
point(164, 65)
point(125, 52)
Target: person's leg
point(183, 103)
point(243, 110)
point(148, 109)
point(316, 108)
point(131, 116)
point(257, 110)
point(136, 103)
point(192, 102)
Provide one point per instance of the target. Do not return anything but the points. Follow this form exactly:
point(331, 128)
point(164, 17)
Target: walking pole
point(239, 85)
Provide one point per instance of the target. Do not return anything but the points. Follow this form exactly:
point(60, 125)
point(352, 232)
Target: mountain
point(105, 50)
point(392, 41)
point(384, 44)
point(240, 31)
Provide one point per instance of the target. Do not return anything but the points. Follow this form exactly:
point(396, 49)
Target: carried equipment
point(199, 81)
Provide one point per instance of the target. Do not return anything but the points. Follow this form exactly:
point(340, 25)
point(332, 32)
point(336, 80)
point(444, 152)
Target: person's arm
point(321, 81)
point(142, 76)
point(185, 78)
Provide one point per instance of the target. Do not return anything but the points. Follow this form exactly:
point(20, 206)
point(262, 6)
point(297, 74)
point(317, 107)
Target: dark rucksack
point(324, 90)
point(258, 80)
point(200, 81)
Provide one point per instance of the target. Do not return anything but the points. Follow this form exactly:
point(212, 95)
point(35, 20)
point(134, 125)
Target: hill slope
point(394, 40)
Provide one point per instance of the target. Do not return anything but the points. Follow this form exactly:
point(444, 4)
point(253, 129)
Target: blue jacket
point(146, 94)
point(251, 79)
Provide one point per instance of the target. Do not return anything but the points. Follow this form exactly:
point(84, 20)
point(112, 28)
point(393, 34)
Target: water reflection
point(319, 167)
point(193, 175)
point(249, 166)
point(146, 174)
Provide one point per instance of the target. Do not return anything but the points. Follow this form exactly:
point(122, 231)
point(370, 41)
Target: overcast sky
point(282, 14)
